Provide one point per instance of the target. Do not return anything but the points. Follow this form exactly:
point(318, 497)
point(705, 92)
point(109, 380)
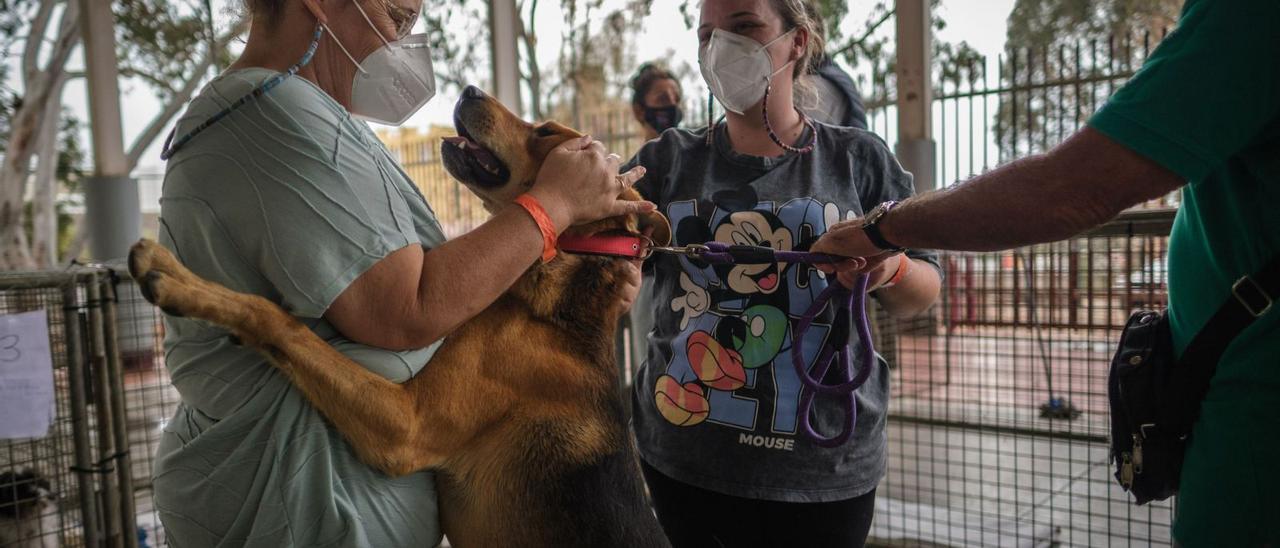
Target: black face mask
point(663, 118)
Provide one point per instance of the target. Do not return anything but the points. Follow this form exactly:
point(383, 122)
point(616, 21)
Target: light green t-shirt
point(289, 198)
point(1206, 105)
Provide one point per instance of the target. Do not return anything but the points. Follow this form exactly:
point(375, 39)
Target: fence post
point(79, 420)
point(102, 405)
point(120, 417)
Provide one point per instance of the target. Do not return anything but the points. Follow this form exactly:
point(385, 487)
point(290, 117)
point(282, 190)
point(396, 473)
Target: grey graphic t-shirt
point(717, 399)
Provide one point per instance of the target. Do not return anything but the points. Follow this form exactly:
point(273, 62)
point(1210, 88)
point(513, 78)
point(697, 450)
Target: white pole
point(506, 55)
point(915, 92)
point(113, 214)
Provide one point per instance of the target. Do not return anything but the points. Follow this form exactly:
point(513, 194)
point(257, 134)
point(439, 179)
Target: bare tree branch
point(857, 43)
point(44, 215)
point(22, 140)
point(35, 38)
point(27, 118)
point(533, 74)
point(180, 97)
point(152, 79)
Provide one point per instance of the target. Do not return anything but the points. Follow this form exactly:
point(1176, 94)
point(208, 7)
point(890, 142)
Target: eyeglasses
point(405, 19)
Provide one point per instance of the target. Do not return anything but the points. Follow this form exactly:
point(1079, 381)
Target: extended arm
point(413, 297)
point(1083, 182)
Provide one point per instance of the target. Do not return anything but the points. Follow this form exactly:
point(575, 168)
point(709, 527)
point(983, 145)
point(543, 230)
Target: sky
point(979, 22)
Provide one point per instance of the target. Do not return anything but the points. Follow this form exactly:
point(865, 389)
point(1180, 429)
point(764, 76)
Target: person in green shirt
point(1203, 114)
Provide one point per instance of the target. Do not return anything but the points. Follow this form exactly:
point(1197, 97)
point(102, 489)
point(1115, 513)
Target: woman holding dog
point(715, 405)
point(273, 188)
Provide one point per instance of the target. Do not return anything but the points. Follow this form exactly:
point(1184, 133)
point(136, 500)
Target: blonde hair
point(803, 14)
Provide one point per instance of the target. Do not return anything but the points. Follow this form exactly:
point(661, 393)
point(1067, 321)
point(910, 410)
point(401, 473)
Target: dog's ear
point(661, 234)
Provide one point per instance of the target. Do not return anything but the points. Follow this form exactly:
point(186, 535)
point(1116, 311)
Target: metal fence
point(87, 482)
point(77, 464)
point(998, 421)
point(149, 397)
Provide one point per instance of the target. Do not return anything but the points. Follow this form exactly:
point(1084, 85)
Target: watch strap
point(872, 227)
point(877, 239)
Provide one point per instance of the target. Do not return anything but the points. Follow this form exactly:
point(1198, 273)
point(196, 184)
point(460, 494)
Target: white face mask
point(737, 68)
point(394, 81)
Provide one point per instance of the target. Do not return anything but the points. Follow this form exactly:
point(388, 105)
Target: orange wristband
point(548, 228)
point(904, 266)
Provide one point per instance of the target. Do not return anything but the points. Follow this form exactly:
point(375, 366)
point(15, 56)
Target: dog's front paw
point(157, 273)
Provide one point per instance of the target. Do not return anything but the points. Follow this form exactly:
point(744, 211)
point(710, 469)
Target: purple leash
point(852, 303)
point(848, 301)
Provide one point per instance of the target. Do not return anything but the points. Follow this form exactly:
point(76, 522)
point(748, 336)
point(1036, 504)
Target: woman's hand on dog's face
point(579, 183)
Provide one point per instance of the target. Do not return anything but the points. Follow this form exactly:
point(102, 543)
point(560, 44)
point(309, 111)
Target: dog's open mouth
point(472, 163)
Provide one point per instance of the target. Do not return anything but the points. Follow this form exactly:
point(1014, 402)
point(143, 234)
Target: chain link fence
point(74, 485)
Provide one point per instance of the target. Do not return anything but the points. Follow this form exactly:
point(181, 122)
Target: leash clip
point(691, 250)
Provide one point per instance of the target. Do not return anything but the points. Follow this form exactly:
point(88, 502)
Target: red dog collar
point(625, 246)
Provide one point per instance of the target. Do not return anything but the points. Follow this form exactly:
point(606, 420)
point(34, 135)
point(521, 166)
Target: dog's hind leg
point(390, 425)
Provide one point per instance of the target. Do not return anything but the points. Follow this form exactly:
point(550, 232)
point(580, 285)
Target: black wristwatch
point(871, 227)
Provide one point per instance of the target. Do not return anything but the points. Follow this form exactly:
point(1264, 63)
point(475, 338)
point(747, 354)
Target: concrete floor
point(959, 487)
point(972, 462)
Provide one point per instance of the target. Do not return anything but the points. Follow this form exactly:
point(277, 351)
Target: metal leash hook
point(852, 303)
point(722, 253)
point(691, 250)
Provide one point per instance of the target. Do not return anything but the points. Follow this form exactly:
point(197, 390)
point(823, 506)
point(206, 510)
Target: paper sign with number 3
point(26, 376)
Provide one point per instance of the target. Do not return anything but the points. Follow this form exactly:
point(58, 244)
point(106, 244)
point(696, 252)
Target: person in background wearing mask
point(275, 187)
point(655, 100)
point(716, 405)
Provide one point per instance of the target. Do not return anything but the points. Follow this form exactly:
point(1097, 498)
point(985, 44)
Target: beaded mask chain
point(764, 108)
point(813, 132)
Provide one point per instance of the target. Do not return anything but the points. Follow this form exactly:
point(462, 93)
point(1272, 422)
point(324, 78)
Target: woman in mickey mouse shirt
point(716, 401)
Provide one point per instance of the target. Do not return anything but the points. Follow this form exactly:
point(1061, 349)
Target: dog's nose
point(472, 92)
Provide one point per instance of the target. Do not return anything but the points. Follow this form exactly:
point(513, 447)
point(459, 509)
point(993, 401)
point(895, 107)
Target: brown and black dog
point(518, 411)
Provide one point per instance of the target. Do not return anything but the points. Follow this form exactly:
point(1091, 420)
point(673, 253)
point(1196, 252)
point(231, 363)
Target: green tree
point(1048, 23)
point(1057, 50)
point(596, 56)
point(168, 44)
point(594, 39)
